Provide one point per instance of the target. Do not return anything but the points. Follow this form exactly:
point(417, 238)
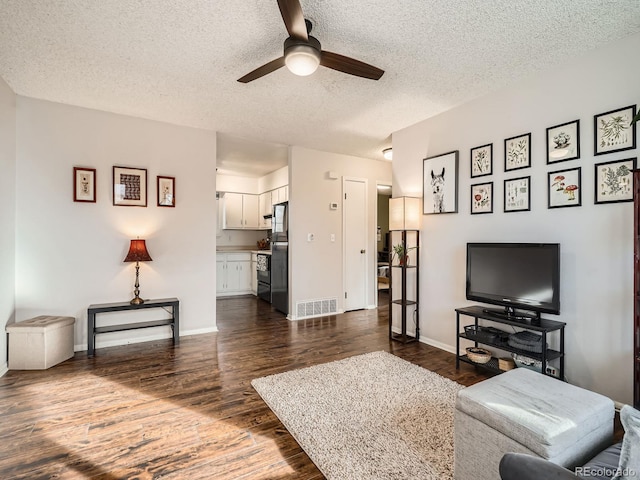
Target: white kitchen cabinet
point(266, 207)
point(254, 275)
point(280, 195)
point(233, 273)
point(240, 211)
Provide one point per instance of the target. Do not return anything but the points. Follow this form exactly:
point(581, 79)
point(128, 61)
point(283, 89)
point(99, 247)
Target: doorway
point(382, 242)
point(356, 281)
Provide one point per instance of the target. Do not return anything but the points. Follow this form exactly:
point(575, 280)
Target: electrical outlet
point(552, 371)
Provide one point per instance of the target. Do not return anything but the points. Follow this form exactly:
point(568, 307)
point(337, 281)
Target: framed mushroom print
point(614, 181)
point(613, 131)
point(563, 142)
point(84, 184)
point(482, 161)
point(517, 194)
point(517, 152)
point(564, 188)
point(166, 191)
point(482, 198)
point(130, 186)
point(440, 183)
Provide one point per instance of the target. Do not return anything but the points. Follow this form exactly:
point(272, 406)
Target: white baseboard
point(148, 338)
point(293, 318)
point(4, 368)
point(440, 345)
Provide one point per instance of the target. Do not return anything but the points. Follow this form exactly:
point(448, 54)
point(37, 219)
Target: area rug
point(372, 416)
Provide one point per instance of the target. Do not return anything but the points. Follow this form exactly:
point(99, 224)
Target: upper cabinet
point(266, 208)
point(280, 195)
point(240, 211)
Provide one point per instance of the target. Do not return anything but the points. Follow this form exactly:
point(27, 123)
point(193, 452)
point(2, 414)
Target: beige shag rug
point(372, 416)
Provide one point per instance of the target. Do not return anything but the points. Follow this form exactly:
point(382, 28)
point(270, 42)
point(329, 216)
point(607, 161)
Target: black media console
point(539, 325)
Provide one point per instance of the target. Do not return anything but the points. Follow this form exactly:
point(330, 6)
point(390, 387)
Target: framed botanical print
point(482, 161)
point(482, 198)
point(613, 131)
point(614, 181)
point(166, 191)
point(517, 194)
point(84, 184)
point(563, 142)
point(564, 188)
point(517, 152)
point(440, 183)
point(130, 186)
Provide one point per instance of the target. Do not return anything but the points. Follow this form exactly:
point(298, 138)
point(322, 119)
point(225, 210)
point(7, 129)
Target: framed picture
point(482, 198)
point(564, 188)
point(614, 181)
point(440, 183)
point(84, 184)
point(517, 194)
point(130, 186)
point(517, 152)
point(563, 142)
point(482, 161)
point(166, 191)
point(613, 131)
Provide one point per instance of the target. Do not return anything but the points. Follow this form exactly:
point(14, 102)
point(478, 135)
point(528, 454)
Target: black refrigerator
point(280, 257)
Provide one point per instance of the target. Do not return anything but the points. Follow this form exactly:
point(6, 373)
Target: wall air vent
point(316, 308)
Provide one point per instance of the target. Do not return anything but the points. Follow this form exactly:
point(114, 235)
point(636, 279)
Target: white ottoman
point(526, 412)
point(40, 342)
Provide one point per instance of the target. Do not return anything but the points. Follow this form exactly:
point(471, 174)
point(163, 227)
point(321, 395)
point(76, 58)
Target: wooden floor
point(154, 411)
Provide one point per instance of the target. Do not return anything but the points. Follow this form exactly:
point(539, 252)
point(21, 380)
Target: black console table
point(540, 325)
point(174, 321)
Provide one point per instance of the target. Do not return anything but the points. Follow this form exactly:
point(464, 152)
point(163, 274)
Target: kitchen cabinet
point(240, 211)
point(254, 276)
point(280, 195)
point(266, 208)
point(233, 273)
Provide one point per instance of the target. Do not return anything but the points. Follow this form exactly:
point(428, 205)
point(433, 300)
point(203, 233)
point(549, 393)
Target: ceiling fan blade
point(349, 65)
point(265, 69)
point(291, 12)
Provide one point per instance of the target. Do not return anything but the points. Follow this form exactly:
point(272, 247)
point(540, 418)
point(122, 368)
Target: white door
point(355, 244)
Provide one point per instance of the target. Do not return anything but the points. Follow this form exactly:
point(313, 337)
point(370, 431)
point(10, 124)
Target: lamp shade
point(138, 252)
point(404, 213)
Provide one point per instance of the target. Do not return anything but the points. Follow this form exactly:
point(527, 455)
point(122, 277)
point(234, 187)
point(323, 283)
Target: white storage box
point(40, 342)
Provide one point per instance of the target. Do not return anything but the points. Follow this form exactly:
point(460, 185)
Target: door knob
point(362, 251)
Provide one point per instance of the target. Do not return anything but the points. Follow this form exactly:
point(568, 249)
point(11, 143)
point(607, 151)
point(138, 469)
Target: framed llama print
point(614, 181)
point(84, 184)
point(564, 188)
point(482, 198)
point(517, 194)
point(517, 152)
point(482, 161)
point(563, 142)
point(440, 183)
point(613, 131)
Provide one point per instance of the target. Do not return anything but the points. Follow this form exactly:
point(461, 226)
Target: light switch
point(310, 237)
point(332, 237)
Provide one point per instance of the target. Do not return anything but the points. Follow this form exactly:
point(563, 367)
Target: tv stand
point(509, 313)
point(542, 326)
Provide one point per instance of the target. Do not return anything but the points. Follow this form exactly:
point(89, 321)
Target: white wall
point(7, 214)
point(596, 240)
point(316, 267)
point(276, 179)
point(69, 255)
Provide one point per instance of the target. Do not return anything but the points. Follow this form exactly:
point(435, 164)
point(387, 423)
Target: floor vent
point(316, 308)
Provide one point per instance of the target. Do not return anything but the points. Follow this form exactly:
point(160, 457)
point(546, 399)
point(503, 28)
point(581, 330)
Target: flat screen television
point(517, 276)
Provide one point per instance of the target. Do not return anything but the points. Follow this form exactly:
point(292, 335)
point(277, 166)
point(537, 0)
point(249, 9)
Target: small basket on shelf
point(478, 355)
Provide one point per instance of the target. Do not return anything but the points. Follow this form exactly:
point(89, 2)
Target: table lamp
point(137, 253)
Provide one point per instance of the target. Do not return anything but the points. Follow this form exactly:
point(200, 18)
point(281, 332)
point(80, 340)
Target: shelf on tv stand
point(542, 325)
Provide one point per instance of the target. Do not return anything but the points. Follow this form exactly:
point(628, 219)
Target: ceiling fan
point(303, 53)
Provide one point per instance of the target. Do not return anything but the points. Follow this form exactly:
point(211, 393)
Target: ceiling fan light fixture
point(302, 60)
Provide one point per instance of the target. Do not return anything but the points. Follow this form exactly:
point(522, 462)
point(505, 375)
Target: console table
point(164, 303)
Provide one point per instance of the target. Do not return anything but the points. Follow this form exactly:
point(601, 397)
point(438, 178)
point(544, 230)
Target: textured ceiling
point(178, 60)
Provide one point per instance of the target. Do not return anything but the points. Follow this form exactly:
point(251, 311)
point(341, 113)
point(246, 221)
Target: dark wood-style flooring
point(150, 410)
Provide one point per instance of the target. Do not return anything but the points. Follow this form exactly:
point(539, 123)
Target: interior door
point(355, 244)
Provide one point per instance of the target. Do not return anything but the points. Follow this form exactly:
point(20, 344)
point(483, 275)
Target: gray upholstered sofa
point(620, 461)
